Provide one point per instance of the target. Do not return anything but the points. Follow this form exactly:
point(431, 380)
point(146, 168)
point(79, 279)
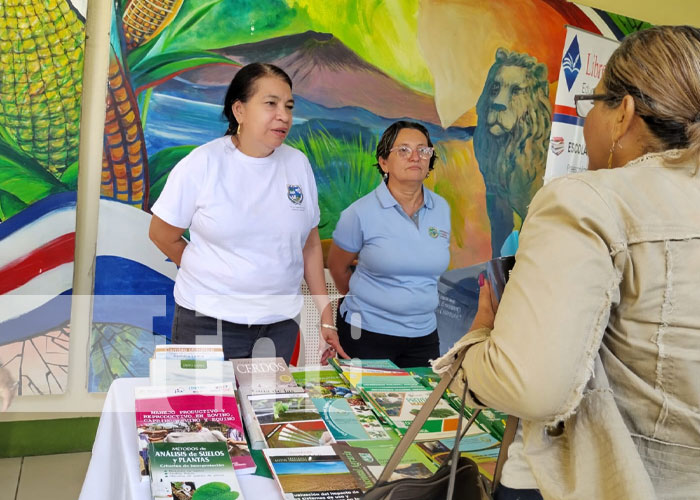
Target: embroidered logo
point(572, 63)
point(433, 232)
point(295, 194)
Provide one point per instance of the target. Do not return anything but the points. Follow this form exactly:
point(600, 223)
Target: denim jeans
point(505, 493)
point(239, 341)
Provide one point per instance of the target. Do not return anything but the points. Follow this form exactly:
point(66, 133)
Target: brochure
point(192, 471)
point(191, 414)
point(315, 473)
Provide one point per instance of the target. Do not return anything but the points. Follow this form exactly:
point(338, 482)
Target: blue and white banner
point(582, 66)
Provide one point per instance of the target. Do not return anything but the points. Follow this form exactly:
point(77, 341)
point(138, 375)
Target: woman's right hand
point(333, 347)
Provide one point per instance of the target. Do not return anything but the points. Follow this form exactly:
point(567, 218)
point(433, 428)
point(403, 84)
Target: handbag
point(456, 479)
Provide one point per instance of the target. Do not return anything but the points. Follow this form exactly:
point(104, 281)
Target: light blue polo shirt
point(394, 287)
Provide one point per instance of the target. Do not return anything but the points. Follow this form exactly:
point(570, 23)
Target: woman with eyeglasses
point(605, 286)
point(389, 249)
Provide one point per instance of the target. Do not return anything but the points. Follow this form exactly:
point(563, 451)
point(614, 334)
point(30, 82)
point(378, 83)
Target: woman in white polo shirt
point(399, 234)
point(251, 206)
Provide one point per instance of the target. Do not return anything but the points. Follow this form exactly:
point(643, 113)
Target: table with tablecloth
point(113, 473)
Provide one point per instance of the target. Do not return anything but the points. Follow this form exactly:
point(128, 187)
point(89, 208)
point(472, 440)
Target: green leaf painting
point(10, 205)
point(23, 177)
point(215, 491)
point(161, 67)
point(344, 170)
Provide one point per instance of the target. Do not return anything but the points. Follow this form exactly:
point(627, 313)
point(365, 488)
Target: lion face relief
point(509, 99)
point(511, 136)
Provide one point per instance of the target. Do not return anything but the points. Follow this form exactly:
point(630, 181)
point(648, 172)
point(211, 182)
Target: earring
point(612, 149)
point(238, 130)
point(386, 175)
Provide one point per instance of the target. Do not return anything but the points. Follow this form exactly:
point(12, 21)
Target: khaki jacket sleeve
point(553, 313)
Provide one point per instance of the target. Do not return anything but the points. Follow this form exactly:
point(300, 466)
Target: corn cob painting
point(144, 19)
point(41, 59)
point(124, 160)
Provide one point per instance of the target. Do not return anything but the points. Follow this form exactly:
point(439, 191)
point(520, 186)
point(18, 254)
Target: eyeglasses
point(405, 152)
point(584, 102)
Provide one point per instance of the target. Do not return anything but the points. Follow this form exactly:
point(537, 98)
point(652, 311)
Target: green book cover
point(479, 446)
point(489, 420)
point(366, 461)
point(312, 473)
point(346, 414)
point(339, 364)
point(401, 409)
point(195, 471)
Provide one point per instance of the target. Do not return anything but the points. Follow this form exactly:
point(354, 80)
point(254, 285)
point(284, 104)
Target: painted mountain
point(327, 72)
point(343, 104)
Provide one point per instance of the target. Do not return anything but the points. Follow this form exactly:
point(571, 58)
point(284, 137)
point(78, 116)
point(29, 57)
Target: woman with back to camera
point(605, 284)
point(251, 206)
point(400, 236)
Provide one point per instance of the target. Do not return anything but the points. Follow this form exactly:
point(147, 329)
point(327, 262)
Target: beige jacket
point(609, 262)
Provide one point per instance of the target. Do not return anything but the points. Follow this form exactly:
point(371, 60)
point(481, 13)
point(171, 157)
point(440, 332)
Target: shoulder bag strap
point(455, 454)
point(421, 418)
point(508, 436)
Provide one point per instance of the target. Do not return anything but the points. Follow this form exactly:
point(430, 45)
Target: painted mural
point(479, 74)
point(41, 69)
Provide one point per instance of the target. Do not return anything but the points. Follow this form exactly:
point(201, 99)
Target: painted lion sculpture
point(511, 137)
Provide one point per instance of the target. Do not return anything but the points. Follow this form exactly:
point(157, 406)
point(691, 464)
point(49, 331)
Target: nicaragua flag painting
point(36, 276)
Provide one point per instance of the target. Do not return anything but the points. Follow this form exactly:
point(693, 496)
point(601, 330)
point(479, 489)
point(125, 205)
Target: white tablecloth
point(113, 471)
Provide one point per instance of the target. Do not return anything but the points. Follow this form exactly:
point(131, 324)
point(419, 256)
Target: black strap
point(421, 418)
point(458, 439)
point(424, 413)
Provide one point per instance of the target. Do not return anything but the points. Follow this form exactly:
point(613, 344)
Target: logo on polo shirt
point(295, 194)
point(435, 233)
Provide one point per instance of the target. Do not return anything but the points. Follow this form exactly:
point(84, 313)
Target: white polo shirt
point(249, 219)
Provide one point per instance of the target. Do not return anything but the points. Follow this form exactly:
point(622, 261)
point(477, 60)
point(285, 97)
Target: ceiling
point(653, 11)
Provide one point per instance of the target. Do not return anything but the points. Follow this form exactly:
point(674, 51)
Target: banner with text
point(585, 57)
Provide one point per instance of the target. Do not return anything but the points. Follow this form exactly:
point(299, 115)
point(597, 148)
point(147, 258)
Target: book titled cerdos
point(190, 371)
point(264, 376)
point(314, 473)
point(192, 471)
point(189, 351)
point(191, 414)
point(260, 376)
